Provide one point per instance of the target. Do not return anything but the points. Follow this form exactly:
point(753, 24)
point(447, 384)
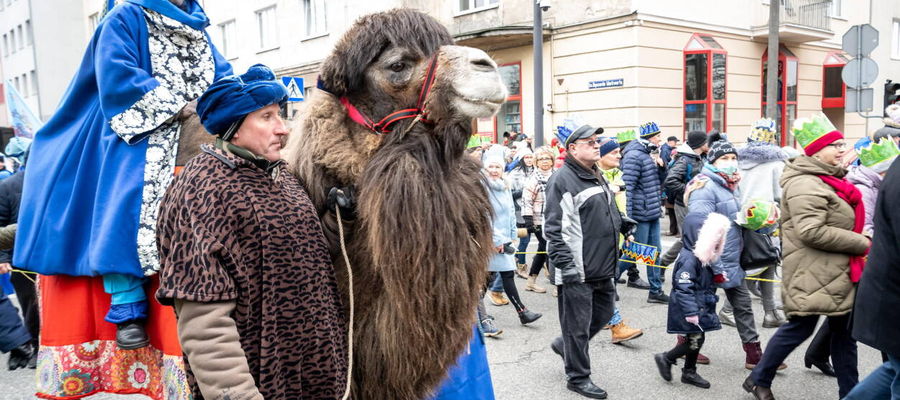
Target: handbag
point(760, 250)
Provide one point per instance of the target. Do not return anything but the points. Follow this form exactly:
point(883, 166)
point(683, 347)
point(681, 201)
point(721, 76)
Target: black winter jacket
point(877, 307)
point(10, 195)
point(580, 214)
point(687, 165)
point(641, 176)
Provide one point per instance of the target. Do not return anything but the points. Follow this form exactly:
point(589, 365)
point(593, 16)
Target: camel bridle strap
point(384, 125)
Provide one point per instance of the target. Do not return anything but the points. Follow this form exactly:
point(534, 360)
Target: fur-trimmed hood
point(709, 243)
point(755, 154)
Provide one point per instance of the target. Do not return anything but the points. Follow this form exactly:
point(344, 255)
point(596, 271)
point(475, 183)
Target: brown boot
point(622, 333)
point(759, 392)
point(754, 355)
point(497, 298)
point(532, 285)
point(522, 270)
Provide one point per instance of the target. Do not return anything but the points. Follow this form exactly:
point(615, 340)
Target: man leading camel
point(244, 260)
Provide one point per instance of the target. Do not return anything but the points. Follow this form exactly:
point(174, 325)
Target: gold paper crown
point(877, 153)
point(808, 130)
point(763, 131)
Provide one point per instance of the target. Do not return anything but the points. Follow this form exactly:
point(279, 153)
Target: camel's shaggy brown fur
point(421, 239)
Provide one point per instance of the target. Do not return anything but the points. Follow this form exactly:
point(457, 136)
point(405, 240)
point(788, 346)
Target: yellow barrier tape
point(656, 266)
point(25, 274)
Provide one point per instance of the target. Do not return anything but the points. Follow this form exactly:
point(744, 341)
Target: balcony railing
point(809, 13)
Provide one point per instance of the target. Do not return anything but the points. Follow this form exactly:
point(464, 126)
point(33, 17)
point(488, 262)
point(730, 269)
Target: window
point(833, 88)
point(34, 85)
point(836, 8)
point(19, 36)
point(268, 28)
point(93, 21)
point(24, 91)
point(509, 119)
point(705, 97)
point(471, 5)
point(18, 88)
point(228, 32)
point(895, 40)
point(12, 41)
point(28, 34)
point(5, 45)
point(787, 92)
point(314, 14)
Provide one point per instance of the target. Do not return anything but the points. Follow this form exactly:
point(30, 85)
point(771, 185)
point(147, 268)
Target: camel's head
point(383, 61)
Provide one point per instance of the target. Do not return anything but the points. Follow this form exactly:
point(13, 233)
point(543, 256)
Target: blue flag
point(23, 120)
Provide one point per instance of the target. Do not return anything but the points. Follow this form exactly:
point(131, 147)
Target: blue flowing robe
point(82, 203)
point(470, 378)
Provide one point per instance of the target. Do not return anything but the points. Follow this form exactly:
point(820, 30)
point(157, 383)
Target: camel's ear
point(343, 72)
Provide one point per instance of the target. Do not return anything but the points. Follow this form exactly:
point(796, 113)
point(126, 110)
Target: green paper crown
point(626, 136)
point(758, 214)
point(808, 130)
point(877, 153)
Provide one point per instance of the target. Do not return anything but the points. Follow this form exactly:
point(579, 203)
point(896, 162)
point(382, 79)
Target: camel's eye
point(398, 66)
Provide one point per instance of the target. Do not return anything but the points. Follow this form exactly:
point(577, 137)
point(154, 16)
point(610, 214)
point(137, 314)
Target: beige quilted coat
point(818, 240)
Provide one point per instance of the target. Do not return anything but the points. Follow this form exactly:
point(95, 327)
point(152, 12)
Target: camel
point(420, 240)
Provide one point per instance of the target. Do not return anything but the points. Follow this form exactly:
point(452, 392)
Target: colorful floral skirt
point(79, 357)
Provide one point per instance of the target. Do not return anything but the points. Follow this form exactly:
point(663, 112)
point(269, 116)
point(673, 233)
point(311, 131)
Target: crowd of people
point(748, 217)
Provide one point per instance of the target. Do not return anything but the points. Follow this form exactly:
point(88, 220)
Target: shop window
point(833, 88)
point(509, 119)
point(705, 97)
point(787, 92)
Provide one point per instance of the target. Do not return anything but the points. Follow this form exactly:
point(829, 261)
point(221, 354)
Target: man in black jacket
point(688, 163)
point(582, 225)
point(877, 307)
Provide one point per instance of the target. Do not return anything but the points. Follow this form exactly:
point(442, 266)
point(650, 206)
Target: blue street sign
point(294, 86)
point(606, 83)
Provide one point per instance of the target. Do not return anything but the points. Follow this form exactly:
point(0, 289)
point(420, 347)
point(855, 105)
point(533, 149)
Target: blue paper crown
point(649, 129)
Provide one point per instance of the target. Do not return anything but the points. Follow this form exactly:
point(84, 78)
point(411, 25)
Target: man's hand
point(5, 268)
point(499, 249)
point(628, 226)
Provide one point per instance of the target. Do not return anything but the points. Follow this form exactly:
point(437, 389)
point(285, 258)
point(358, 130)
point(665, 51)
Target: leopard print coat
point(230, 231)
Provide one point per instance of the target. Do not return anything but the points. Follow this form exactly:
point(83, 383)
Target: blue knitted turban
point(607, 145)
point(230, 99)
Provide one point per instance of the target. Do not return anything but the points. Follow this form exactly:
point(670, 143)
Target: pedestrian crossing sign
point(294, 87)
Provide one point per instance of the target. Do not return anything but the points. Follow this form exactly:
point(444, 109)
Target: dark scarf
point(849, 193)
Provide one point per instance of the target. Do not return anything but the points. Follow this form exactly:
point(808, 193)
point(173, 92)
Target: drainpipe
point(772, 67)
point(538, 46)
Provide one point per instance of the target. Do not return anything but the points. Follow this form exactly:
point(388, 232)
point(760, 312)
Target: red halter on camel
point(384, 125)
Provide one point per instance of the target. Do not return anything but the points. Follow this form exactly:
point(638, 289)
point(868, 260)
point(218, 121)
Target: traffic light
point(890, 93)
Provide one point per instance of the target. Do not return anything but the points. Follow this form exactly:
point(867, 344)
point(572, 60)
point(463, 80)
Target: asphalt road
point(523, 366)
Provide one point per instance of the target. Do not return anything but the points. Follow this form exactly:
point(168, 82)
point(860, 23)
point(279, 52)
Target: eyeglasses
point(544, 159)
point(839, 146)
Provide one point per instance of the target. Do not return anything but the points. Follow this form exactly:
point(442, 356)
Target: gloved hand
point(570, 275)
point(529, 222)
point(720, 278)
point(628, 226)
point(693, 319)
point(344, 198)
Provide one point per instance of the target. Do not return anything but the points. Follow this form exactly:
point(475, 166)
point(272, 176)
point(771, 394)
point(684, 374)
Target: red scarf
point(731, 181)
point(849, 193)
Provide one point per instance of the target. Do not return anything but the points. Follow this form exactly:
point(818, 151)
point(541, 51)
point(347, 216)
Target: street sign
point(860, 72)
point(294, 86)
point(859, 100)
point(606, 83)
point(860, 40)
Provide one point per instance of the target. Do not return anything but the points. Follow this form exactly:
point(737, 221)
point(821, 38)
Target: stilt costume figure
point(99, 168)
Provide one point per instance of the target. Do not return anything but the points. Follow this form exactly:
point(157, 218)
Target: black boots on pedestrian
point(758, 392)
point(587, 389)
point(527, 316)
point(659, 298)
point(130, 335)
point(823, 366)
point(691, 377)
point(664, 366)
point(20, 356)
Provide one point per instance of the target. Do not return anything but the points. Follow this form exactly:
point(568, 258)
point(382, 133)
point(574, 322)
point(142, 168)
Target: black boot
point(526, 316)
point(691, 377)
point(758, 392)
point(19, 356)
point(130, 335)
point(664, 366)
